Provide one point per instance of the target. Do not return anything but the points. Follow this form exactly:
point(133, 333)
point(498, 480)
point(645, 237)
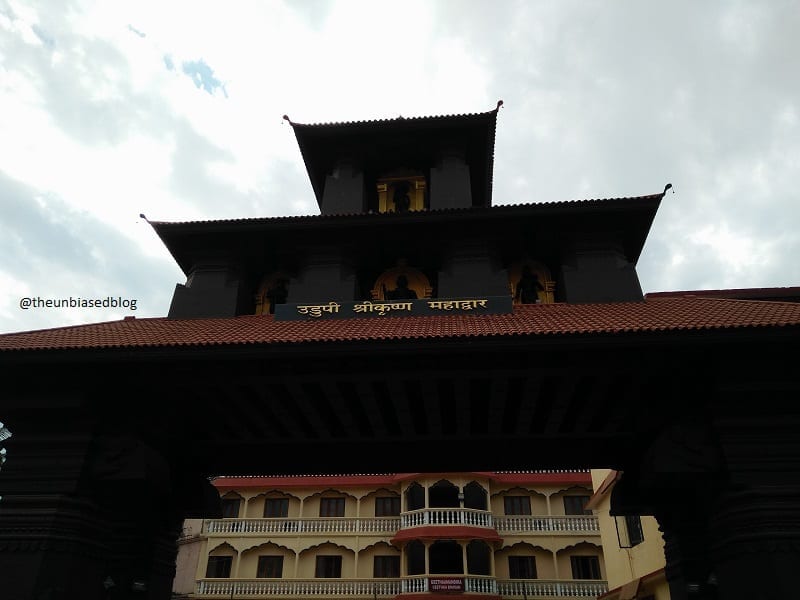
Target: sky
point(109, 110)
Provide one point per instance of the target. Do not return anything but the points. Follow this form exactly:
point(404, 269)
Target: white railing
point(300, 526)
point(549, 588)
point(481, 585)
point(417, 518)
point(371, 588)
point(557, 524)
point(228, 588)
point(446, 516)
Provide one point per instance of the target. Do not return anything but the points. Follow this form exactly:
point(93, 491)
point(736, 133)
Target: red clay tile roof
point(360, 479)
point(663, 315)
point(733, 293)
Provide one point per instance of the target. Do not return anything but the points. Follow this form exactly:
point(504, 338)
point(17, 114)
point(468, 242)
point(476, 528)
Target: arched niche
point(536, 560)
point(381, 503)
point(274, 289)
point(223, 549)
point(265, 560)
point(367, 555)
point(583, 560)
point(475, 496)
point(415, 497)
point(390, 284)
point(530, 283)
point(443, 494)
point(401, 191)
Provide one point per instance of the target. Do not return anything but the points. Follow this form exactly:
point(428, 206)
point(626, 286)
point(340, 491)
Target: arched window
point(401, 283)
point(475, 496)
point(443, 494)
point(415, 497)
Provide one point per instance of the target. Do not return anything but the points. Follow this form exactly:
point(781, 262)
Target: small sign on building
point(446, 584)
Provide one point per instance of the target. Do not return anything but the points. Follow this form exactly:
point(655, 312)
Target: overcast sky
point(173, 109)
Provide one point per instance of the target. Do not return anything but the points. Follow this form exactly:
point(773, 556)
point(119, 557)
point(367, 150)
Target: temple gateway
point(410, 327)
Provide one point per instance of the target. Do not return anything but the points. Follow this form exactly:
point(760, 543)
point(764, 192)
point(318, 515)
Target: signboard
point(446, 584)
point(490, 305)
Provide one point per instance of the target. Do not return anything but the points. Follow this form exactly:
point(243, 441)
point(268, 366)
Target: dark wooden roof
point(551, 222)
point(389, 140)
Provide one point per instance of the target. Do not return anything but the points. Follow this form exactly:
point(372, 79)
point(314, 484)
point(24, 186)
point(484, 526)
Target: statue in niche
point(402, 291)
point(528, 287)
point(402, 201)
point(277, 294)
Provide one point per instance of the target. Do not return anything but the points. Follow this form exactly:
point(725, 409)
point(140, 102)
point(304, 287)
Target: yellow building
point(409, 536)
point(633, 547)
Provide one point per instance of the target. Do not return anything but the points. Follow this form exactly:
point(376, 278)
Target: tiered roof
point(665, 314)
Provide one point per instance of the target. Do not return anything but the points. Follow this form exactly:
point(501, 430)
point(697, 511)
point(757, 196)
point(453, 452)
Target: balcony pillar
point(555, 565)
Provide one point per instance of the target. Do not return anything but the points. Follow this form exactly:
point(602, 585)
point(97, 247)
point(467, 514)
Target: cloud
point(59, 252)
point(116, 110)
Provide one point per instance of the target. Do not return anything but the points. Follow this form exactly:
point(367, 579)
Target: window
point(574, 505)
point(585, 567)
point(629, 530)
point(387, 507)
point(518, 505)
point(331, 507)
point(230, 508)
point(635, 533)
point(276, 508)
point(270, 567)
point(522, 567)
point(386, 566)
point(328, 567)
point(219, 566)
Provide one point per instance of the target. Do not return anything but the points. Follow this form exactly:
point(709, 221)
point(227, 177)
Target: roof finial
point(499, 104)
point(667, 187)
point(287, 119)
point(141, 216)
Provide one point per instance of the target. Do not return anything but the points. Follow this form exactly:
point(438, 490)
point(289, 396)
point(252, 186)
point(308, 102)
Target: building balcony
point(566, 524)
point(508, 525)
point(343, 525)
point(532, 589)
point(446, 516)
point(297, 588)
point(551, 588)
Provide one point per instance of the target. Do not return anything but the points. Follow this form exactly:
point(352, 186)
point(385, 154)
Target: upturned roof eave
point(644, 208)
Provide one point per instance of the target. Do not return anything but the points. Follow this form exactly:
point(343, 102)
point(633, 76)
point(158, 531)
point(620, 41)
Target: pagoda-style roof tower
point(409, 198)
point(351, 163)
